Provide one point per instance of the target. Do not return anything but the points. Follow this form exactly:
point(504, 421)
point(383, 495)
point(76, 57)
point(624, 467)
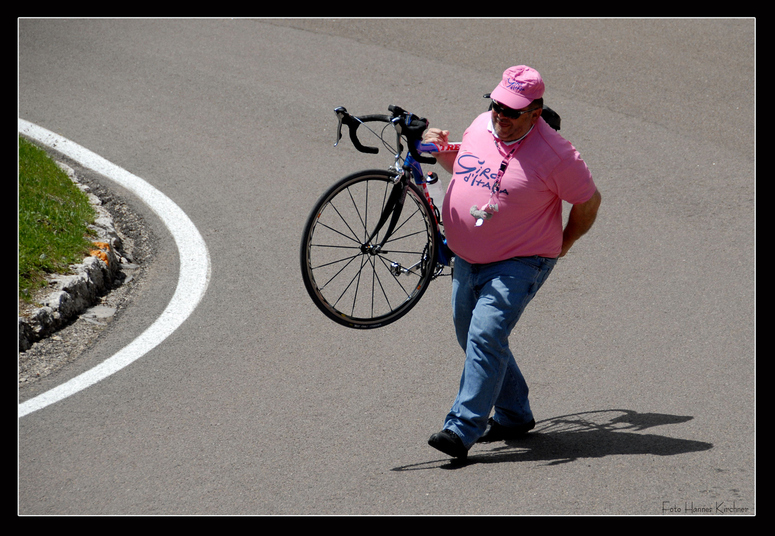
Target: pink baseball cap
point(520, 86)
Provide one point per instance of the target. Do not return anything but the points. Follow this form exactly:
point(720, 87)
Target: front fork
point(393, 208)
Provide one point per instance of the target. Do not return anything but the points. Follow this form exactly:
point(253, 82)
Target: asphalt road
point(639, 350)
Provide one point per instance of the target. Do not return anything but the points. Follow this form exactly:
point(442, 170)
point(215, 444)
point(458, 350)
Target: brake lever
point(352, 123)
point(414, 127)
point(340, 113)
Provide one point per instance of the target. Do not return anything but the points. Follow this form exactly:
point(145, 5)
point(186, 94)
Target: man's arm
point(446, 160)
point(438, 136)
point(580, 220)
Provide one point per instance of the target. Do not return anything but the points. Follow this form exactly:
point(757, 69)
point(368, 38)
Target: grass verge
point(54, 215)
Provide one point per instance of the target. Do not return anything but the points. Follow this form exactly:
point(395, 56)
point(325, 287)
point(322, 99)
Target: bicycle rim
point(348, 279)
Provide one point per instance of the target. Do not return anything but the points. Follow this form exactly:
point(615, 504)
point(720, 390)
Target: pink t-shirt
point(544, 171)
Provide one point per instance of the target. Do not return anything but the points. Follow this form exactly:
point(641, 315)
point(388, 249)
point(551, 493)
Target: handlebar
point(405, 123)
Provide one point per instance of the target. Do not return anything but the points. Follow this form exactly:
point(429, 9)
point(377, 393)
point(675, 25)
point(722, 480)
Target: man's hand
point(580, 220)
point(438, 136)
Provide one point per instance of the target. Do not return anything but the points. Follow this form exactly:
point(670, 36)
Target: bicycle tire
point(350, 282)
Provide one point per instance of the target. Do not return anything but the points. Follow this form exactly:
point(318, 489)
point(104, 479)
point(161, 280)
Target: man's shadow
point(591, 434)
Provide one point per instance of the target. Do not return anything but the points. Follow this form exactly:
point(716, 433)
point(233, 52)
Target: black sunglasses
point(505, 111)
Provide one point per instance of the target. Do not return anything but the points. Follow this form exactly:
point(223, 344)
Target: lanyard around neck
point(487, 211)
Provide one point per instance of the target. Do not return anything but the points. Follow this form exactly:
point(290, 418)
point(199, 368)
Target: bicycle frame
point(443, 254)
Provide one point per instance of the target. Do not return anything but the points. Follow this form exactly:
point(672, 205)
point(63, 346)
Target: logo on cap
point(515, 85)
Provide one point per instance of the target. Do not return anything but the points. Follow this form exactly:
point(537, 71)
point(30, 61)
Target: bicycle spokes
point(368, 249)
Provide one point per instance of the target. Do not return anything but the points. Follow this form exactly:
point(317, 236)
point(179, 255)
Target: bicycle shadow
point(591, 434)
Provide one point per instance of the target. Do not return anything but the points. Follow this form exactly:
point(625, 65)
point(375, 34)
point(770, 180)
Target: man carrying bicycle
point(502, 218)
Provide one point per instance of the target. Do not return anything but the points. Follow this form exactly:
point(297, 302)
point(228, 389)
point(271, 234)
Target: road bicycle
point(374, 240)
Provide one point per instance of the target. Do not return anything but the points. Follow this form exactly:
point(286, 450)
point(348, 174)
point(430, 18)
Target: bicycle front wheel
point(349, 277)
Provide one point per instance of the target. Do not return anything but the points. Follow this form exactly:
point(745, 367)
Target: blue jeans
point(487, 301)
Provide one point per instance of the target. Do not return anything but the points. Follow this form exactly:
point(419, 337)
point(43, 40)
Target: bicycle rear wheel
point(348, 277)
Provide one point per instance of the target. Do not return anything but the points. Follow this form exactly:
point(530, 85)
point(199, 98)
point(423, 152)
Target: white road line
point(193, 279)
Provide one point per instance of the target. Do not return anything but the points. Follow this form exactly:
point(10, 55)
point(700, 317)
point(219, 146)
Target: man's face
point(512, 128)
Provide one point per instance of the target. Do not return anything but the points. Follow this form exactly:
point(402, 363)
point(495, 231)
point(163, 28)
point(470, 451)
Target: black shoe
point(449, 443)
point(497, 432)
